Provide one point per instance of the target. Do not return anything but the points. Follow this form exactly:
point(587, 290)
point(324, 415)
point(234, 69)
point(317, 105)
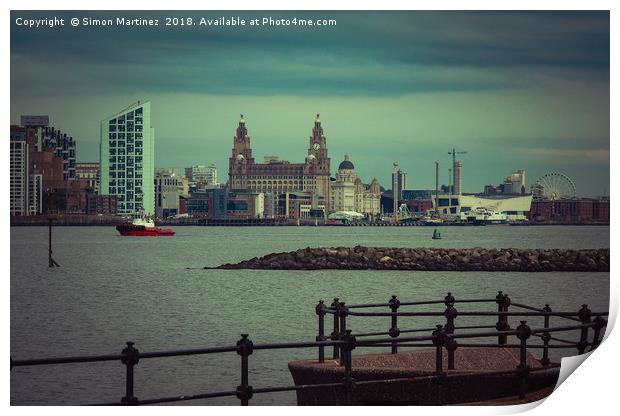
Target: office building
point(127, 159)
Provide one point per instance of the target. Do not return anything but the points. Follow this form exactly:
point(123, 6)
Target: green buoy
point(436, 234)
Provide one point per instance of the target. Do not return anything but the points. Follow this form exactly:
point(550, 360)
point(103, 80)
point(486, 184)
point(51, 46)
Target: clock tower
point(316, 169)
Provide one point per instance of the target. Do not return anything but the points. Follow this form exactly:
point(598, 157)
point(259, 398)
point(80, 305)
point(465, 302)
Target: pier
point(422, 365)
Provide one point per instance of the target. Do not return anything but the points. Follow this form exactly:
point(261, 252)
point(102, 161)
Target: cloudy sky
point(516, 90)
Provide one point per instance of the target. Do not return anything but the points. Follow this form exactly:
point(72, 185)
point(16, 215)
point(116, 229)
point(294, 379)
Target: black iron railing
point(343, 341)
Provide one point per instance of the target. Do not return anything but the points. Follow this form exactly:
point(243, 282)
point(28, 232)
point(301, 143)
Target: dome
point(346, 163)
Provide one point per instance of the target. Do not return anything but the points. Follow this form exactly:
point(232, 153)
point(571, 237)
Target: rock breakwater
point(431, 259)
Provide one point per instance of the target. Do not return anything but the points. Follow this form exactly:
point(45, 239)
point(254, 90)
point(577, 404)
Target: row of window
point(130, 126)
point(138, 112)
point(128, 136)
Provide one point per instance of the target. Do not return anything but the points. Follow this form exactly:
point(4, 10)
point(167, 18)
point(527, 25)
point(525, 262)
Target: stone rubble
point(431, 259)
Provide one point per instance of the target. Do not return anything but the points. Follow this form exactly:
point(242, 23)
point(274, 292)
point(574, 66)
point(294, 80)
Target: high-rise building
point(458, 173)
point(127, 159)
point(280, 176)
point(63, 146)
point(19, 175)
point(202, 174)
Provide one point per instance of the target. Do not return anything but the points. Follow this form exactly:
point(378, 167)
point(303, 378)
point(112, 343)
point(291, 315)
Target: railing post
point(450, 313)
point(523, 333)
point(336, 332)
point(503, 301)
point(546, 337)
point(584, 316)
point(343, 312)
point(439, 340)
point(599, 323)
point(320, 311)
point(394, 332)
point(245, 347)
point(348, 381)
point(130, 357)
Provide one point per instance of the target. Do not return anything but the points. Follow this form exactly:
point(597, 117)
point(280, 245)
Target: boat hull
point(129, 230)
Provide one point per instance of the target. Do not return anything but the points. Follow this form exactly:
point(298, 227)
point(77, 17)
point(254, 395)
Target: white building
point(349, 193)
point(19, 177)
point(35, 194)
point(514, 207)
point(127, 159)
point(206, 175)
point(168, 187)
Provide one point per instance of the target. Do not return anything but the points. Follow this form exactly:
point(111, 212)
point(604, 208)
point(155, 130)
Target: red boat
point(142, 227)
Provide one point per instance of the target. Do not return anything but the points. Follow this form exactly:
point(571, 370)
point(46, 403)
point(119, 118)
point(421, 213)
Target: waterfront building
point(211, 203)
point(349, 193)
point(575, 211)
point(101, 204)
point(127, 159)
point(515, 207)
point(88, 171)
point(245, 204)
point(280, 176)
point(168, 188)
point(19, 174)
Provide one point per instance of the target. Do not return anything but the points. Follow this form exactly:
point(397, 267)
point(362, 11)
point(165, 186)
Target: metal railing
point(343, 342)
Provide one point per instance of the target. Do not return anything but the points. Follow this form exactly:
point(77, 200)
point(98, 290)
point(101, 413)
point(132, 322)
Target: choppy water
point(111, 289)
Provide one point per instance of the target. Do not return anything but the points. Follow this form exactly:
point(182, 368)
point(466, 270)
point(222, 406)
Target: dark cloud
point(310, 60)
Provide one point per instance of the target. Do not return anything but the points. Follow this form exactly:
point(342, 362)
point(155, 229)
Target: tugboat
point(143, 226)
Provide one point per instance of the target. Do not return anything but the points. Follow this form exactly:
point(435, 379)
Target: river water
point(111, 289)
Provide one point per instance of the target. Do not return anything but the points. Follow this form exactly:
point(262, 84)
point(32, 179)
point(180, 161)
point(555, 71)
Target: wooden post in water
point(51, 261)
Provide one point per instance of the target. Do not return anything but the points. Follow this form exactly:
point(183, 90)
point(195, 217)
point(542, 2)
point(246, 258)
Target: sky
point(515, 90)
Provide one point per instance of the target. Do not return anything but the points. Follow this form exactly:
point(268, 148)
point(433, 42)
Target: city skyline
point(516, 90)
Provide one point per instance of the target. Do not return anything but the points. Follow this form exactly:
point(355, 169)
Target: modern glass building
point(127, 159)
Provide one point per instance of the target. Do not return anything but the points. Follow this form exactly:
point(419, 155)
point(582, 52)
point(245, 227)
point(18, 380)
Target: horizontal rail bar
point(563, 314)
point(66, 360)
point(291, 345)
point(427, 302)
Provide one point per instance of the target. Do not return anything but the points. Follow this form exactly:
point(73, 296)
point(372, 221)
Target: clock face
point(316, 146)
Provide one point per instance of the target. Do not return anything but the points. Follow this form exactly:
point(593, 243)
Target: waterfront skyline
point(517, 90)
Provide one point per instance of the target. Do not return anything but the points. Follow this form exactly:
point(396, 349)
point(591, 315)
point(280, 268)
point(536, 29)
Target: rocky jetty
point(431, 259)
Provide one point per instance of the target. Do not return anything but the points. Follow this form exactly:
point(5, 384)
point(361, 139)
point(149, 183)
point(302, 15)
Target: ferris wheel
point(554, 186)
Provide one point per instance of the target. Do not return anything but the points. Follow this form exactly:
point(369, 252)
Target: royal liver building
point(280, 176)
